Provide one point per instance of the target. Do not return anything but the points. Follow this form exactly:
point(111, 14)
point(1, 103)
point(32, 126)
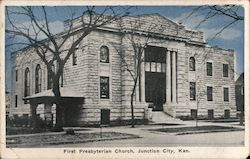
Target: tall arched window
point(38, 79)
point(104, 54)
point(27, 82)
point(191, 64)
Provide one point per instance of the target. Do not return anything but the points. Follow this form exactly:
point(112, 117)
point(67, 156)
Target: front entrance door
point(155, 83)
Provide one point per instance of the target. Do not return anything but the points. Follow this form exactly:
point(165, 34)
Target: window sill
point(105, 101)
point(104, 63)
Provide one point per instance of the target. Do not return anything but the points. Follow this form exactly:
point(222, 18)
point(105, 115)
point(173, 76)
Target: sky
point(230, 38)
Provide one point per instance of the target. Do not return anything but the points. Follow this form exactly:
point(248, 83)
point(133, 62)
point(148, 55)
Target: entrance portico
point(158, 78)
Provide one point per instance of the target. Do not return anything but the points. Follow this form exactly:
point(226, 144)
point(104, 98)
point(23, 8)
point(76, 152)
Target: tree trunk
point(196, 120)
point(132, 105)
point(59, 118)
point(132, 110)
point(59, 107)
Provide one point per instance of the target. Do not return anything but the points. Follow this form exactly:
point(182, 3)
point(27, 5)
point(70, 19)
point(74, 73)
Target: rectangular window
point(225, 70)
point(193, 113)
point(104, 87)
point(16, 75)
point(163, 67)
point(153, 67)
point(226, 94)
point(209, 69)
point(209, 93)
point(210, 113)
point(74, 59)
point(227, 114)
point(192, 90)
point(105, 116)
point(16, 101)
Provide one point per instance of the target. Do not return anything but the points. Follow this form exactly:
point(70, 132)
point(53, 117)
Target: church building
point(180, 76)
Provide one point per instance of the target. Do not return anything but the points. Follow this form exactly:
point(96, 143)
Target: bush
point(25, 121)
point(70, 132)
point(22, 121)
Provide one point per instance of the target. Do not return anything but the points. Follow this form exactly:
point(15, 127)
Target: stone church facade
point(180, 75)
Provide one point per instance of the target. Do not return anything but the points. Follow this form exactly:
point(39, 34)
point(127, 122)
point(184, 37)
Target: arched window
point(104, 54)
point(38, 79)
point(191, 64)
point(27, 82)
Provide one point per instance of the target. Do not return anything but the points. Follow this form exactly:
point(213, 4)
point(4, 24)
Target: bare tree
point(137, 35)
point(208, 12)
point(56, 47)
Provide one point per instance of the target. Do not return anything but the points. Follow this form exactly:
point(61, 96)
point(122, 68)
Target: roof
point(240, 80)
point(152, 15)
point(66, 92)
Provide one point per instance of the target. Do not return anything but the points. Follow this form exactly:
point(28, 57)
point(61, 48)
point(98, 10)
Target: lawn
point(56, 139)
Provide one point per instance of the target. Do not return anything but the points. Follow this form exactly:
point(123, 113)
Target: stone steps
point(162, 117)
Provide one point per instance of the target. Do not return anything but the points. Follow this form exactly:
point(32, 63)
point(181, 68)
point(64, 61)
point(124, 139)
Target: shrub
point(25, 121)
point(70, 132)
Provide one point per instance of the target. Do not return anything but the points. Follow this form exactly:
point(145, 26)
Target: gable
point(153, 23)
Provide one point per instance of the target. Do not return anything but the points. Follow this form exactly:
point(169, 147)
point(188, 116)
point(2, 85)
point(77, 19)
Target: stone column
point(168, 77)
point(174, 76)
point(33, 107)
point(48, 113)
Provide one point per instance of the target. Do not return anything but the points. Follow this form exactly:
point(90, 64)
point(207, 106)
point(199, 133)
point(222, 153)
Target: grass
point(41, 140)
point(22, 130)
point(197, 130)
point(166, 124)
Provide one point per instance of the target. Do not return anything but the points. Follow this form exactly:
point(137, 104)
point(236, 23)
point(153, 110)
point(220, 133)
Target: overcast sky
point(231, 38)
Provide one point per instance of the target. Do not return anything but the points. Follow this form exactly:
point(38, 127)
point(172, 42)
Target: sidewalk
point(151, 138)
point(159, 139)
point(137, 129)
